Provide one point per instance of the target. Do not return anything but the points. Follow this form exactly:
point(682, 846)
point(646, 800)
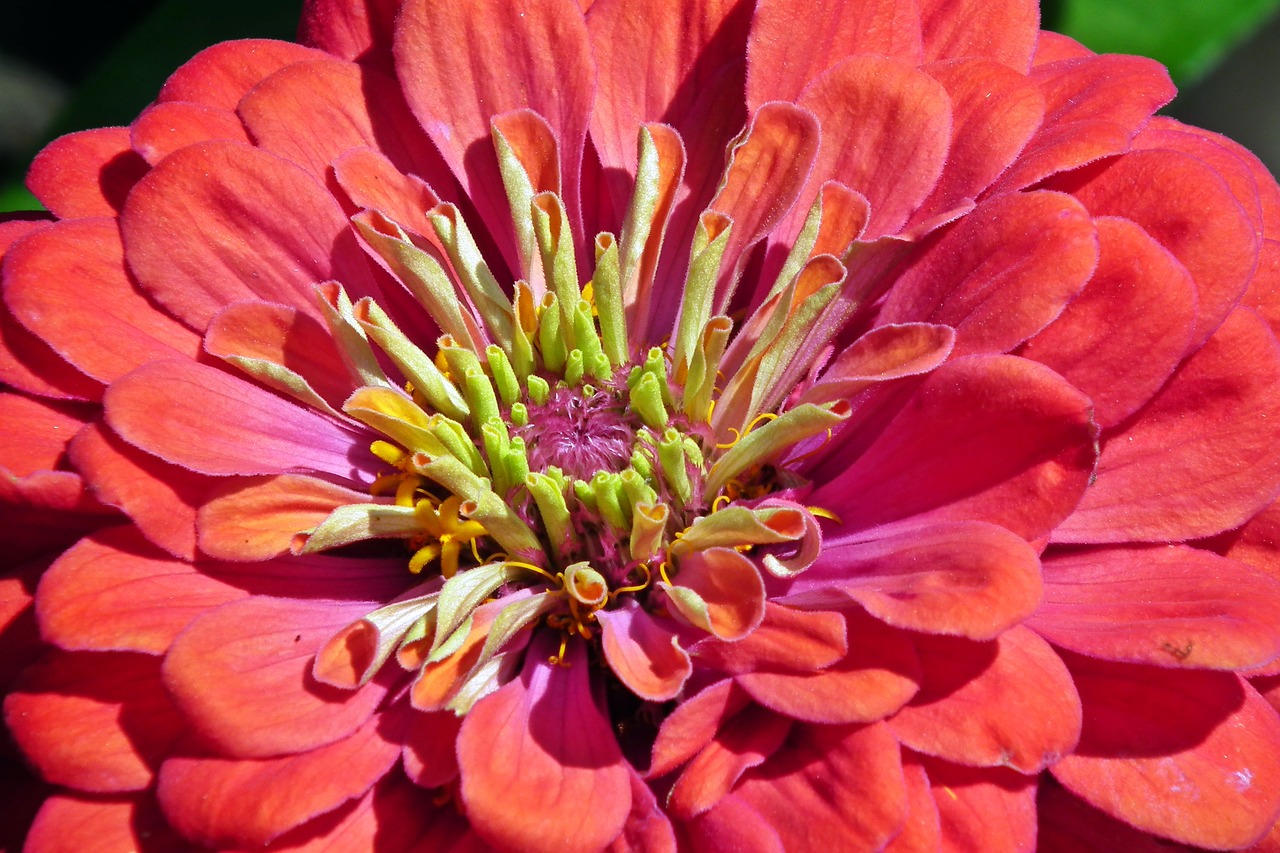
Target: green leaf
point(1189, 36)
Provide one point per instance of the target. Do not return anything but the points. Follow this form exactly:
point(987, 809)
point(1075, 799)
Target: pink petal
point(1163, 605)
point(1003, 273)
point(1187, 755)
point(988, 437)
point(886, 127)
point(968, 579)
point(828, 32)
point(67, 824)
point(1006, 703)
point(219, 801)
point(693, 724)
point(259, 518)
point(832, 788)
point(537, 56)
point(87, 173)
point(787, 639)
point(536, 752)
point(643, 654)
point(876, 678)
point(95, 722)
point(209, 421)
point(1209, 440)
point(1005, 31)
point(1123, 337)
point(222, 222)
point(743, 742)
point(242, 674)
point(972, 802)
point(373, 182)
point(994, 112)
point(165, 127)
point(115, 591)
point(1093, 106)
point(160, 498)
point(881, 355)
point(1191, 212)
point(310, 113)
point(219, 76)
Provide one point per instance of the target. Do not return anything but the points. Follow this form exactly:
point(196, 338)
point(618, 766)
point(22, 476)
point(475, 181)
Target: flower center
point(580, 432)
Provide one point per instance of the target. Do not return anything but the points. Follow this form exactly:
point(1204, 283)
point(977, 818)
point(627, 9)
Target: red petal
point(1191, 211)
point(87, 173)
point(1003, 273)
point(67, 824)
point(743, 742)
point(1007, 703)
point(647, 828)
point(36, 432)
point(242, 675)
point(994, 112)
point(537, 55)
point(312, 112)
point(94, 722)
point(969, 579)
point(832, 788)
point(29, 364)
point(992, 438)
point(68, 284)
point(160, 498)
point(218, 801)
point(536, 751)
point(115, 591)
point(643, 654)
point(1067, 825)
point(878, 676)
point(258, 519)
point(221, 222)
point(1094, 106)
point(788, 50)
point(360, 30)
point(886, 128)
point(1209, 441)
point(731, 825)
point(731, 587)
point(787, 639)
point(1005, 31)
point(988, 809)
point(1123, 337)
point(209, 421)
point(430, 756)
point(165, 127)
point(693, 724)
point(1163, 605)
point(1188, 755)
point(923, 830)
point(219, 76)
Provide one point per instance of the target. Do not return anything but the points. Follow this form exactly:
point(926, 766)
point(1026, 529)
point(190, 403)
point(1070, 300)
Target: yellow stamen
point(636, 588)
point(824, 513)
point(737, 436)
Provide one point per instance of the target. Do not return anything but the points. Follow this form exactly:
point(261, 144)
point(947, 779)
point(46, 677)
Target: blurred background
point(55, 77)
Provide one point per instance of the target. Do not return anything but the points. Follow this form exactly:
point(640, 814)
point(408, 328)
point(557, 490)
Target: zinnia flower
point(556, 426)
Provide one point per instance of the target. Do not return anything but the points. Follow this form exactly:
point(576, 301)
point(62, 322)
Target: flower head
point(785, 427)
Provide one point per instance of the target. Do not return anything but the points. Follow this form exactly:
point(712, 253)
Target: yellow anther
point(406, 490)
point(385, 483)
point(387, 452)
point(662, 572)
point(422, 557)
point(716, 504)
point(558, 658)
point(824, 513)
point(445, 524)
point(557, 579)
point(763, 417)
